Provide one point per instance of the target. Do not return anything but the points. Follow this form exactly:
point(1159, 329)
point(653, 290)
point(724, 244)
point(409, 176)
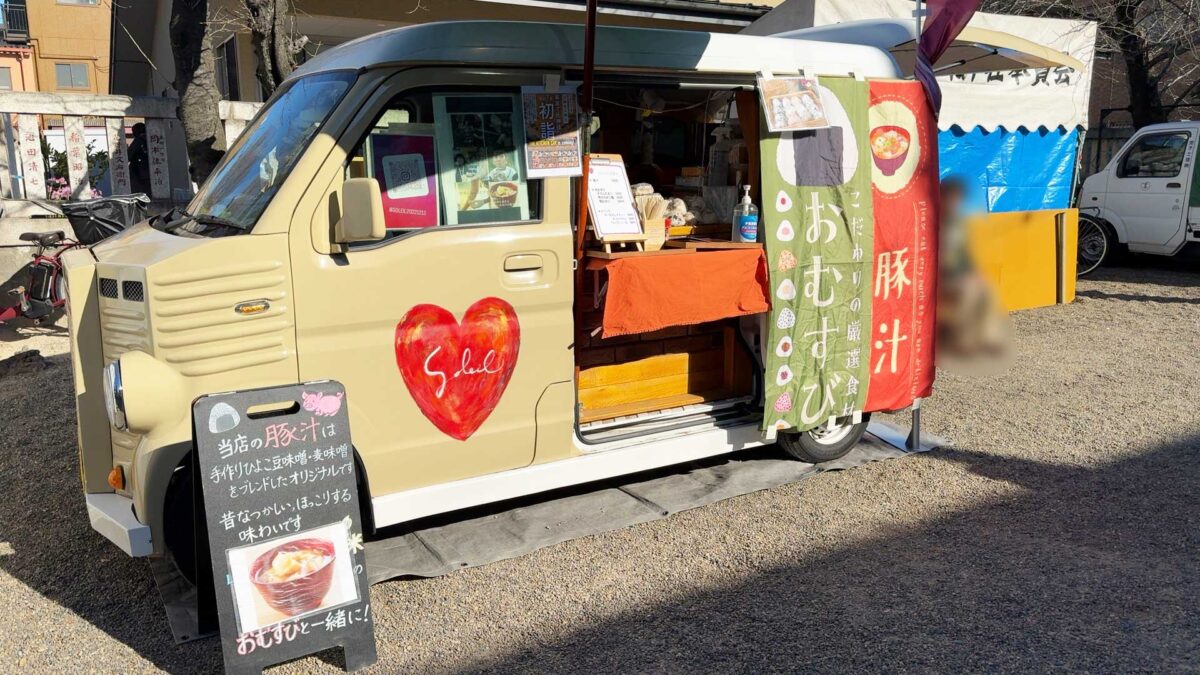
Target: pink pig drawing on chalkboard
point(319, 403)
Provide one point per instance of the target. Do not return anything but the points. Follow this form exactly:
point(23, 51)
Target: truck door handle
point(523, 262)
point(1174, 185)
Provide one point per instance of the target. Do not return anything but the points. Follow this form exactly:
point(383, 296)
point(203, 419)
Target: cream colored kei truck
point(281, 271)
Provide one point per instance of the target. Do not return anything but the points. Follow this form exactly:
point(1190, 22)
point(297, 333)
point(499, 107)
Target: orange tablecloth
point(646, 293)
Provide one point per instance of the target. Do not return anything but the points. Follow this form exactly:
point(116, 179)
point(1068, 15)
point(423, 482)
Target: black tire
point(1097, 243)
point(820, 445)
point(179, 533)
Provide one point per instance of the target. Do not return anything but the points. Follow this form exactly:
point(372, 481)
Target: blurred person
point(139, 160)
point(972, 326)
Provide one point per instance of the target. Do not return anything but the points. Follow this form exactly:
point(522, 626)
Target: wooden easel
point(608, 240)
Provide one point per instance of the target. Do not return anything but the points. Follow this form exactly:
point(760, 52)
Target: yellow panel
point(1020, 254)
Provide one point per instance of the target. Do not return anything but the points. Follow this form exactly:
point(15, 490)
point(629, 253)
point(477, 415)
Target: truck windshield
point(239, 189)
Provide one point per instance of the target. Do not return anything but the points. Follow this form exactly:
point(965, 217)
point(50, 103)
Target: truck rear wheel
point(825, 443)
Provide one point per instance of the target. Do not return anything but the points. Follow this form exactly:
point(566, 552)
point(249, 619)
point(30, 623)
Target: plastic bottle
point(745, 219)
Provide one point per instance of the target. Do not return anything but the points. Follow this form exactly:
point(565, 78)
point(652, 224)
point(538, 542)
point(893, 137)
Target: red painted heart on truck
point(457, 371)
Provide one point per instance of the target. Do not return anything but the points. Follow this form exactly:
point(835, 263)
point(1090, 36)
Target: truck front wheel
point(825, 443)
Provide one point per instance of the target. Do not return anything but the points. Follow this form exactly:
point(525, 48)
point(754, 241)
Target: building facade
point(55, 46)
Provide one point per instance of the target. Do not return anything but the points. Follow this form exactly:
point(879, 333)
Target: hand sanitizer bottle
point(745, 219)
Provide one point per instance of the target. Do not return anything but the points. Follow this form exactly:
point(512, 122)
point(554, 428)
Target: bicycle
point(47, 291)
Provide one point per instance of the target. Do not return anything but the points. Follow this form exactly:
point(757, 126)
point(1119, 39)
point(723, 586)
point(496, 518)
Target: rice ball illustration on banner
point(783, 202)
point(783, 376)
point(783, 403)
point(781, 425)
point(787, 261)
point(787, 290)
point(784, 348)
point(787, 319)
point(785, 232)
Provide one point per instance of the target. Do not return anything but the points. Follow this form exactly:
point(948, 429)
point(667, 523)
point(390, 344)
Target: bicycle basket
point(98, 219)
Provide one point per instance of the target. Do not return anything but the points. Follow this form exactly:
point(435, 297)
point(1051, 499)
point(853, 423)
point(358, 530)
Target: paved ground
point(1061, 532)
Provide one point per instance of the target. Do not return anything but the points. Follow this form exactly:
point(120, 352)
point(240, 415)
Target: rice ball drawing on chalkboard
point(293, 576)
point(223, 418)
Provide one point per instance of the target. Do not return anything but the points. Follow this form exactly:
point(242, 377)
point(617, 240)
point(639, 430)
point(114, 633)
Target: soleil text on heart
point(489, 365)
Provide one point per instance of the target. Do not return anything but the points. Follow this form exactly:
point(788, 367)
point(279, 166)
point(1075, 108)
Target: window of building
point(71, 75)
point(227, 70)
point(78, 2)
point(5, 79)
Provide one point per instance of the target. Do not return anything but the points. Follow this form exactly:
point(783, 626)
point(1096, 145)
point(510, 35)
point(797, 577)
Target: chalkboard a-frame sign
point(281, 508)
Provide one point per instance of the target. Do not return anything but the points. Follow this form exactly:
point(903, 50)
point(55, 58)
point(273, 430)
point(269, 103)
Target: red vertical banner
point(904, 187)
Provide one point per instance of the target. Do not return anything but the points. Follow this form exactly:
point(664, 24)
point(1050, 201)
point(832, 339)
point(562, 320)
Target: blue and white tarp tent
point(1011, 123)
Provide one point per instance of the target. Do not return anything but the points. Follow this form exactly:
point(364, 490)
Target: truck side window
point(436, 169)
point(1155, 156)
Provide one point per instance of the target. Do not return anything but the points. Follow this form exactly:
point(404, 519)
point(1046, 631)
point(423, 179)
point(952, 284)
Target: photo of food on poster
point(552, 139)
point(292, 576)
point(481, 170)
point(402, 160)
point(792, 103)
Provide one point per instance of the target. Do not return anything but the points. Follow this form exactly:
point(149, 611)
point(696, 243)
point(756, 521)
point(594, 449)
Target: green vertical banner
point(818, 223)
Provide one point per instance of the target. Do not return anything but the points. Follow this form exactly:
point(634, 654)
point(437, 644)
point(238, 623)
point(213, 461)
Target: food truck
point(400, 217)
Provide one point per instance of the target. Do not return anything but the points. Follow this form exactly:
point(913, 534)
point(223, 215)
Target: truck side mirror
point(362, 212)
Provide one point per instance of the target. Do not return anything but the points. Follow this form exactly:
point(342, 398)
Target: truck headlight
point(114, 396)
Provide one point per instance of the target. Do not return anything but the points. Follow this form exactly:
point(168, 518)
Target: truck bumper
point(112, 516)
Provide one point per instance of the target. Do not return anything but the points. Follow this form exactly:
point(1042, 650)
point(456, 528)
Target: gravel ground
point(1060, 532)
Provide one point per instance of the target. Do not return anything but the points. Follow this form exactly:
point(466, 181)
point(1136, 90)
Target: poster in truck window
point(552, 146)
point(402, 161)
point(483, 177)
point(817, 221)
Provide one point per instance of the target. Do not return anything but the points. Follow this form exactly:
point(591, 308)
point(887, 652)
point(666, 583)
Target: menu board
point(552, 140)
point(281, 506)
point(482, 175)
point(402, 161)
point(610, 199)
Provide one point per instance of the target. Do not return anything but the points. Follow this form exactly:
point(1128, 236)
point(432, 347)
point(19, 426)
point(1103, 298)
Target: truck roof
point(527, 44)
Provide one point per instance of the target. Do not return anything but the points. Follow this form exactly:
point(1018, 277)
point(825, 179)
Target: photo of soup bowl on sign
point(294, 577)
point(889, 148)
point(503, 194)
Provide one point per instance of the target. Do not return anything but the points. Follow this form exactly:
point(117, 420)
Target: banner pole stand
point(914, 436)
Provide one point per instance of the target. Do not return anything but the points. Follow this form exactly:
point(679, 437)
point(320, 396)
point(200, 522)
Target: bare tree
point(196, 83)
point(277, 43)
point(1157, 41)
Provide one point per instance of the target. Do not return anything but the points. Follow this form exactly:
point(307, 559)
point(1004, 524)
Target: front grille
point(108, 287)
point(133, 290)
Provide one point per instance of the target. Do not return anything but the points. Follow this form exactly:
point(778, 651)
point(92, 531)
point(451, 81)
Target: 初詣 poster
point(905, 192)
point(817, 220)
point(481, 170)
point(402, 161)
point(552, 139)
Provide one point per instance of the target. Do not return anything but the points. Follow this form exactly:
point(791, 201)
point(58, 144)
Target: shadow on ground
point(1088, 569)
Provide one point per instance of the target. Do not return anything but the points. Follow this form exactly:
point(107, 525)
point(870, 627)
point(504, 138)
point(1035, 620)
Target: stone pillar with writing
point(118, 155)
point(156, 146)
point(29, 146)
point(77, 163)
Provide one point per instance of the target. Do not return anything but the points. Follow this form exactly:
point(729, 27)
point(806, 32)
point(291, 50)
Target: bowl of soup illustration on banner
point(294, 577)
point(889, 148)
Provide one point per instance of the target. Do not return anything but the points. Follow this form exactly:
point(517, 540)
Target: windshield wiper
point(203, 218)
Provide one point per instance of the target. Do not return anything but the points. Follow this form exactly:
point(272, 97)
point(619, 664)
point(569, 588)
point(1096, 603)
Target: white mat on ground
point(513, 529)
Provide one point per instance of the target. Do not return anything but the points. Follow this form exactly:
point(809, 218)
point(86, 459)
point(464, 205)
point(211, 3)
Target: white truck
point(1146, 200)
